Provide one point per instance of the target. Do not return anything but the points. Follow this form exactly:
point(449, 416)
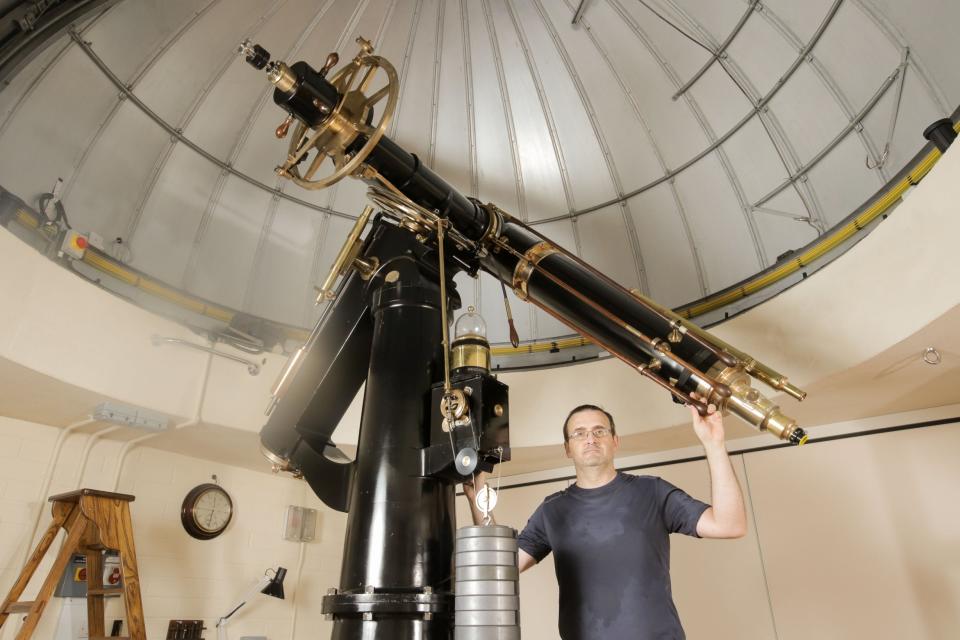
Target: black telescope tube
point(416, 181)
point(311, 99)
point(592, 304)
point(408, 174)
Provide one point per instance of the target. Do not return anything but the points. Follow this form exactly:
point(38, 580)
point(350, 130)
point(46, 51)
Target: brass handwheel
point(348, 120)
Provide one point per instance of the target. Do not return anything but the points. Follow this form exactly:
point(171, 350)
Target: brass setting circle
point(347, 121)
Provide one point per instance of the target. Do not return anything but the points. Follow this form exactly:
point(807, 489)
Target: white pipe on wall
point(195, 420)
point(48, 478)
point(296, 590)
point(85, 454)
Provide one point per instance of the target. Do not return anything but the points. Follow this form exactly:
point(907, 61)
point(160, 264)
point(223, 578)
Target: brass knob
point(365, 45)
point(331, 62)
point(284, 127)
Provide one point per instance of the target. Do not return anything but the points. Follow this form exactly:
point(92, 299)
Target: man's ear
point(566, 448)
point(616, 442)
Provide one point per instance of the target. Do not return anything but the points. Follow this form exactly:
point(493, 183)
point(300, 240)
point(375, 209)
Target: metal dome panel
point(679, 145)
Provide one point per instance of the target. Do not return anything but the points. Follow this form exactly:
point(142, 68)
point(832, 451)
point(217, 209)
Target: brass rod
point(340, 265)
point(714, 386)
point(678, 393)
point(643, 300)
point(443, 309)
point(752, 366)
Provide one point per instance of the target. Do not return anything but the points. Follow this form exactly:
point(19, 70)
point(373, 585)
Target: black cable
point(42, 201)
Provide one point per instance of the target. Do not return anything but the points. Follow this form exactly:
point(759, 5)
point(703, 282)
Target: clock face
point(206, 511)
point(212, 510)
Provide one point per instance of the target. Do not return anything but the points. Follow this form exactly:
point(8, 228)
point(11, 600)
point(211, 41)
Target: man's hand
point(470, 493)
point(708, 428)
point(470, 486)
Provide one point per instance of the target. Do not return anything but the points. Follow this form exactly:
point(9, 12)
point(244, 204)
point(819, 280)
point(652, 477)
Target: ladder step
point(19, 607)
point(104, 591)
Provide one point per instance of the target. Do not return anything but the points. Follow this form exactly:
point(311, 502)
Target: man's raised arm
point(726, 518)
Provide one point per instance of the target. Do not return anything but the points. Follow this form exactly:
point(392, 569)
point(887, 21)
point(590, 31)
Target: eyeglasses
point(598, 433)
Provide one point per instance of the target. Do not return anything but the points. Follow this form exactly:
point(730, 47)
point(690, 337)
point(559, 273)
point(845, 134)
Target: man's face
point(584, 446)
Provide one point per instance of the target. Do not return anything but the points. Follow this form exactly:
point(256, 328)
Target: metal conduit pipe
point(195, 420)
point(296, 590)
point(252, 367)
point(48, 478)
point(85, 454)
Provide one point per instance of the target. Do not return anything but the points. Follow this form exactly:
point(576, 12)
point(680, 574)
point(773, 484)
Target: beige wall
point(849, 539)
point(181, 577)
point(854, 538)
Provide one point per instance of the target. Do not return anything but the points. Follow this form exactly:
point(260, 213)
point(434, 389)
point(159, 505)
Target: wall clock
point(206, 511)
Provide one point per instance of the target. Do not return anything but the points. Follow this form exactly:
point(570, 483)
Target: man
point(609, 532)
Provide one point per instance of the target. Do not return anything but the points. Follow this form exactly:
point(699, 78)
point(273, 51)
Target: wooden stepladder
point(94, 521)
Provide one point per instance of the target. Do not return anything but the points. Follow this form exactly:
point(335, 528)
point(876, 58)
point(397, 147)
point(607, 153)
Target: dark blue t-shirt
point(611, 551)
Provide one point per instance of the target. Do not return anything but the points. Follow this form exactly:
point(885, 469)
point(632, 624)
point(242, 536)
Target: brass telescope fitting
point(750, 405)
point(757, 369)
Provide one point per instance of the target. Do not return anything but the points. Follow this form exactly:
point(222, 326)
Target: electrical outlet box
point(130, 416)
point(74, 244)
point(300, 525)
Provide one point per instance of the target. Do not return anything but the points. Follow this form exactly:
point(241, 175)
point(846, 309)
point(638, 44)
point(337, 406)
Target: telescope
point(432, 418)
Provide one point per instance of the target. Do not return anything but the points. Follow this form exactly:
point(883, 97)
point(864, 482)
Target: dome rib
point(601, 141)
point(41, 74)
point(138, 75)
point(213, 201)
point(936, 91)
point(468, 95)
point(698, 114)
point(438, 49)
point(718, 51)
point(804, 169)
point(771, 126)
point(658, 153)
point(829, 82)
point(721, 139)
point(215, 76)
point(507, 111)
point(402, 71)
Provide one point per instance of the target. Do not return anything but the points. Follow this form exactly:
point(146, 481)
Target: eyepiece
point(255, 55)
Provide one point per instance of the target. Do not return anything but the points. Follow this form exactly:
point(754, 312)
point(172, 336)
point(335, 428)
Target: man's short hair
point(587, 407)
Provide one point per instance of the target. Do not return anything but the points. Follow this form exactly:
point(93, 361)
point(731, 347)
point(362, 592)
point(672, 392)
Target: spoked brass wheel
point(349, 119)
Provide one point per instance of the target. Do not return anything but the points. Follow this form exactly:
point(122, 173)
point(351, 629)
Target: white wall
point(855, 538)
point(848, 539)
point(180, 577)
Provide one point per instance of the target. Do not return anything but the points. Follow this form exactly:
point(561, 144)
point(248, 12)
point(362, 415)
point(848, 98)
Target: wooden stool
point(94, 521)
